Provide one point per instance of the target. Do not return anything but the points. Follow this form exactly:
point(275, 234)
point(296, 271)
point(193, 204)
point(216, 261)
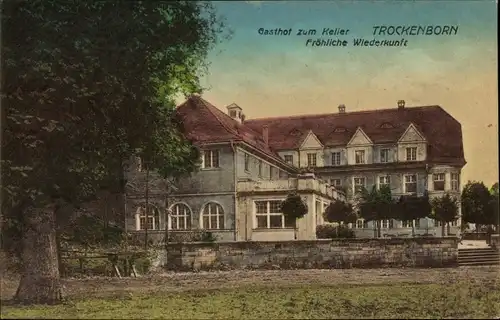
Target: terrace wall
point(311, 254)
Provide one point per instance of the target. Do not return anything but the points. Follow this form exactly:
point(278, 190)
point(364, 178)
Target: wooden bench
point(114, 258)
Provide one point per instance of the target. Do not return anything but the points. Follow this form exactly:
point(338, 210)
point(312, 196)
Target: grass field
point(443, 293)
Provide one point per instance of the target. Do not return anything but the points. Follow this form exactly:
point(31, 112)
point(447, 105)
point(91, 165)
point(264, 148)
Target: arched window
point(212, 216)
point(153, 219)
point(180, 217)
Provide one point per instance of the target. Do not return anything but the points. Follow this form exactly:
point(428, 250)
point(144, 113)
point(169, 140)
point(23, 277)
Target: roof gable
point(204, 123)
point(411, 135)
point(311, 141)
point(441, 131)
point(359, 138)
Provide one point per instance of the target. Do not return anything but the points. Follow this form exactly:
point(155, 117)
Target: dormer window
point(295, 132)
point(235, 112)
point(340, 129)
point(386, 125)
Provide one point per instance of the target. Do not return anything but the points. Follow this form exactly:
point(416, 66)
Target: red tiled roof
point(442, 131)
point(205, 123)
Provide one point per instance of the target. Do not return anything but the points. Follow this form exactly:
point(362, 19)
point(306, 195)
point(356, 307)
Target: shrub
point(192, 236)
point(334, 232)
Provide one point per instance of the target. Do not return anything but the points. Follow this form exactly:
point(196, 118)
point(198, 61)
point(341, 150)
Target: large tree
point(87, 84)
point(376, 205)
point(476, 204)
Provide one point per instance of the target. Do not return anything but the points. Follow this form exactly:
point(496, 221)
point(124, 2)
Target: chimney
point(401, 104)
point(342, 108)
point(265, 134)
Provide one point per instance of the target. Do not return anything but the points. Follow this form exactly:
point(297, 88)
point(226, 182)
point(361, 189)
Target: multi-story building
point(249, 166)
point(237, 192)
point(411, 149)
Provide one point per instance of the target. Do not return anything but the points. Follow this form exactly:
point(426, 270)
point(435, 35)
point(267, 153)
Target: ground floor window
point(180, 217)
point(361, 224)
point(411, 224)
point(387, 224)
point(438, 223)
point(212, 216)
point(151, 222)
point(268, 215)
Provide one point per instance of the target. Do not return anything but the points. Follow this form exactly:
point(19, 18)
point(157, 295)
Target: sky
point(279, 75)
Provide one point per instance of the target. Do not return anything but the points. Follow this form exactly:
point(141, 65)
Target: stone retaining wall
point(309, 254)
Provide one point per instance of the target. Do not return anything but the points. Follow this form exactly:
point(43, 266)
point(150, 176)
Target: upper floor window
point(336, 182)
point(289, 159)
point(247, 162)
point(438, 179)
point(311, 159)
point(268, 215)
point(359, 184)
point(212, 216)
point(411, 154)
point(260, 168)
point(335, 158)
point(455, 182)
point(360, 156)
point(410, 183)
point(232, 113)
point(384, 155)
point(384, 181)
point(210, 159)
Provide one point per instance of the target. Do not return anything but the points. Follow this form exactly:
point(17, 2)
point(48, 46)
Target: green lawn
point(465, 300)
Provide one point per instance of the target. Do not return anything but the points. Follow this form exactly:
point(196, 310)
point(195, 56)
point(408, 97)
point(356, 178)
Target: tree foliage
point(340, 211)
point(413, 207)
point(477, 204)
point(445, 209)
point(86, 85)
point(293, 207)
point(377, 204)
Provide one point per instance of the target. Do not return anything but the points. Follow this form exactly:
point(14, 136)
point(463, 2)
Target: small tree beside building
point(294, 208)
point(340, 212)
point(377, 205)
point(413, 208)
point(445, 210)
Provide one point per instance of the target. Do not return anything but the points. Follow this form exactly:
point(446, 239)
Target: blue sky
point(279, 75)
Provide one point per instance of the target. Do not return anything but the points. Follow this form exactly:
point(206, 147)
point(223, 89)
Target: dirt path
point(229, 279)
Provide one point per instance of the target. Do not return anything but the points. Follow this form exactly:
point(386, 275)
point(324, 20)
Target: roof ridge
point(339, 114)
point(208, 105)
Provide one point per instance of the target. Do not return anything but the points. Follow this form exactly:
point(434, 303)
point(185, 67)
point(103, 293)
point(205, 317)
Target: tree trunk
point(443, 229)
point(40, 279)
